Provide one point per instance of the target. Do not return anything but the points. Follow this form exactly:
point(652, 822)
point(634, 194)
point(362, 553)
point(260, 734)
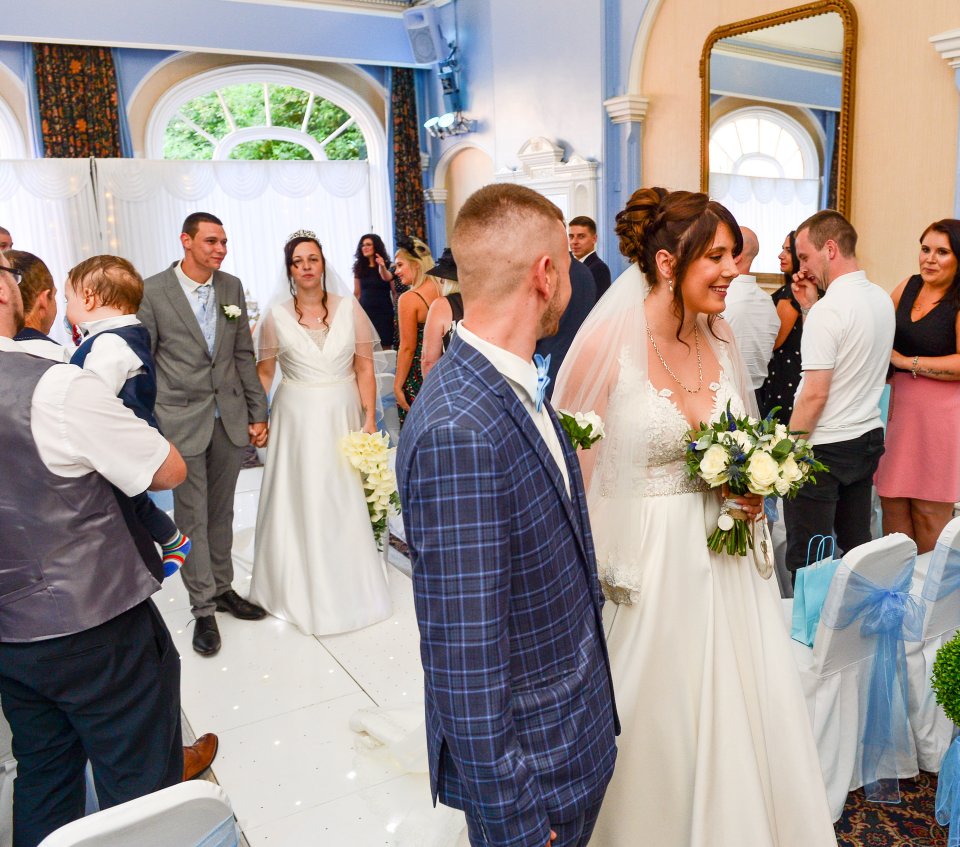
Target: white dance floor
point(281, 702)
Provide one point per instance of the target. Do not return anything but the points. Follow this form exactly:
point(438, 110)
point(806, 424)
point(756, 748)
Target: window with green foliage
point(262, 121)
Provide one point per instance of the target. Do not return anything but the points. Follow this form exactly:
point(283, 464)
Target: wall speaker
point(426, 40)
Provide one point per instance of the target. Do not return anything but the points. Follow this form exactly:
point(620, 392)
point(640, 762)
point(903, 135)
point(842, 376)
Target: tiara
point(303, 233)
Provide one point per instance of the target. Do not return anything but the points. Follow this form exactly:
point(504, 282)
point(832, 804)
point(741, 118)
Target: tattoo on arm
point(936, 371)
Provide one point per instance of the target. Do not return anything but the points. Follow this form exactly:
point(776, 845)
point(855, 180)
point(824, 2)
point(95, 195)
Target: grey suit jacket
point(190, 382)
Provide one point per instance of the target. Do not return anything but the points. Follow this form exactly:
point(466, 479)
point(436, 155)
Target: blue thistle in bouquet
point(749, 456)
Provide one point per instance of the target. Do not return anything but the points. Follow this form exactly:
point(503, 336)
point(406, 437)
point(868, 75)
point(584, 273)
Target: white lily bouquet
point(370, 453)
point(750, 456)
point(584, 429)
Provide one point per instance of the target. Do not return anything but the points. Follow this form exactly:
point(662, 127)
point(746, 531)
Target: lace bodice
point(656, 418)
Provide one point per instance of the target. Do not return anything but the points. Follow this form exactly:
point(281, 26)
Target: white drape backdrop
point(65, 210)
point(770, 207)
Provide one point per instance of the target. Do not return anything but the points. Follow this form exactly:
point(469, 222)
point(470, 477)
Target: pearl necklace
point(666, 367)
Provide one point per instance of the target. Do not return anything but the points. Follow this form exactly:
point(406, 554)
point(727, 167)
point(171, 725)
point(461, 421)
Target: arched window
point(762, 142)
point(765, 168)
point(12, 143)
point(257, 112)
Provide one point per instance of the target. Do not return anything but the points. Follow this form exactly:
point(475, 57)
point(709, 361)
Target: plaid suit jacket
point(520, 713)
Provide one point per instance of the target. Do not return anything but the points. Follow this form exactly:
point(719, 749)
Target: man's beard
point(550, 320)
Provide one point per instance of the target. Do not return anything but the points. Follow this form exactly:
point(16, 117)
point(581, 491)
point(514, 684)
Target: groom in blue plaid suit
point(520, 715)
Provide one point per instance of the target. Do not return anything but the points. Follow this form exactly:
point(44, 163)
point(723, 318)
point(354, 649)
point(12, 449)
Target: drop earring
point(670, 285)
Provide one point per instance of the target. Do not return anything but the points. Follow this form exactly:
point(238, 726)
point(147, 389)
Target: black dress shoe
point(233, 603)
point(206, 636)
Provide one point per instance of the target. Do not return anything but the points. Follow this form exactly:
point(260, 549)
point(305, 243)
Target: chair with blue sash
point(191, 814)
point(932, 729)
point(854, 677)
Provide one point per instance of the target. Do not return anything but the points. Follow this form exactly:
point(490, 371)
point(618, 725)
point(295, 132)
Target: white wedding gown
point(316, 563)
point(716, 748)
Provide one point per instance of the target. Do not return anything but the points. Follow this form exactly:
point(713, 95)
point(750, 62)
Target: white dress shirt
point(45, 349)
point(849, 331)
point(79, 427)
point(190, 289)
point(521, 376)
point(110, 357)
point(755, 323)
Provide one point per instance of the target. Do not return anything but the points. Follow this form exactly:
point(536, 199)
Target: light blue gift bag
point(811, 587)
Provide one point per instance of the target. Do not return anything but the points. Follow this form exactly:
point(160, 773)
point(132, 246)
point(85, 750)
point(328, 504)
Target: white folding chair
point(836, 672)
point(192, 814)
point(932, 729)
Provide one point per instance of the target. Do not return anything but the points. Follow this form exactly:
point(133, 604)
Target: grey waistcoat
point(67, 559)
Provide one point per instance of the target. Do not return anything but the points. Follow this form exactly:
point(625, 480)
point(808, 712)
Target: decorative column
point(947, 44)
point(436, 200)
point(627, 114)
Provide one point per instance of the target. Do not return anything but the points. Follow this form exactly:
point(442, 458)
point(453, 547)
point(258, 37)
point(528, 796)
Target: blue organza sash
point(943, 575)
point(225, 834)
point(948, 793)
point(891, 615)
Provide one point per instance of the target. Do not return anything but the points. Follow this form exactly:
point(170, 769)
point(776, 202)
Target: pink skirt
point(922, 458)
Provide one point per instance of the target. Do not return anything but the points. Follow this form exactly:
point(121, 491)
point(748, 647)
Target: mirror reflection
point(775, 100)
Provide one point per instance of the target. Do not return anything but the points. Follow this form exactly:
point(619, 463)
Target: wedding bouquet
point(584, 429)
point(749, 456)
point(370, 453)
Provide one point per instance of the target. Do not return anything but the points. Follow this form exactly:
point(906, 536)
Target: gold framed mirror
point(792, 73)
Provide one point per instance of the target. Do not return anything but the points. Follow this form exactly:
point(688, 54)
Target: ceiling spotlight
point(449, 124)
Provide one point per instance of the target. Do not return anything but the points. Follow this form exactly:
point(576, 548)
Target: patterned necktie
point(543, 366)
point(208, 315)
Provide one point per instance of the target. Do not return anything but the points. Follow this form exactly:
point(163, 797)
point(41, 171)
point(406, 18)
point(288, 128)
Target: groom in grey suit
point(210, 404)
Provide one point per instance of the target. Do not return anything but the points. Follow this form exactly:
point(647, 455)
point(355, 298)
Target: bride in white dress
point(316, 563)
point(716, 748)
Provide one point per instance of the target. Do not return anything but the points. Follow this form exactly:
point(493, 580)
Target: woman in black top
point(783, 373)
point(919, 475)
point(373, 285)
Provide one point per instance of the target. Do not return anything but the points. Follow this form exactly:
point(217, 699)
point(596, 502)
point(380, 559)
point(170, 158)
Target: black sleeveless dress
point(377, 303)
point(783, 374)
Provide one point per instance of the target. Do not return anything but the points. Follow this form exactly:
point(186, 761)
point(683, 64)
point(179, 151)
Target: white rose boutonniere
point(584, 429)
point(231, 313)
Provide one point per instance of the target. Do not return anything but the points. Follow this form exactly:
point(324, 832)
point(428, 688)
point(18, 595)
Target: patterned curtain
point(408, 213)
point(77, 100)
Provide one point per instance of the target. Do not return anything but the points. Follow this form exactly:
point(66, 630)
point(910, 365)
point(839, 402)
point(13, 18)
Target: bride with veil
point(316, 563)
point(716, 747)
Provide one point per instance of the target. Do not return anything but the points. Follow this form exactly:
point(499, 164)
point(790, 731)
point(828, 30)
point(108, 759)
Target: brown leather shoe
point(199, 756)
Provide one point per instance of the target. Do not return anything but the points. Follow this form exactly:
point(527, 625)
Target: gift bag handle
point(822, 548)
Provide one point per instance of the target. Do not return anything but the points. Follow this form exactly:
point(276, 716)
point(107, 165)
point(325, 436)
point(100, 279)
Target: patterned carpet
point(909, 824)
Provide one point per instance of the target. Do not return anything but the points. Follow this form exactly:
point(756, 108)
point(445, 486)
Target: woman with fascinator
point(413, 260)
point(316, 563)
point(716, 747)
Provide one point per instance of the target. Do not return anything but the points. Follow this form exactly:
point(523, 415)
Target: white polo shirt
point(755, 324)
point(849, 331)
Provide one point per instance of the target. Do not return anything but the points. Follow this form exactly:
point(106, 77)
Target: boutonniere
point(584, 429)
point(231, 313)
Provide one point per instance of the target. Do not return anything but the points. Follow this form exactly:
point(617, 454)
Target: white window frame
point(13, 145)
point(808, 148)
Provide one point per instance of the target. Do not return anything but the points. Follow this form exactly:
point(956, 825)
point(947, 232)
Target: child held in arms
point(103, 295)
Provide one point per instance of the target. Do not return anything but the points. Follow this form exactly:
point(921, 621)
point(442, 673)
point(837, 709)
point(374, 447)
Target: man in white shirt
point(751, 313)
point(87, 667)
point(847, 340)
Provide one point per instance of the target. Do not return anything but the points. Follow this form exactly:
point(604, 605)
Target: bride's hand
point(370, 426)
point(752, 504)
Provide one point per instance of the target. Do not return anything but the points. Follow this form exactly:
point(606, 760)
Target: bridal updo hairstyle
point(288, 249)
point(684, 223)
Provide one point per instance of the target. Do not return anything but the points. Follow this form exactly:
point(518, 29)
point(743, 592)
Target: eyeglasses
point(16, 273)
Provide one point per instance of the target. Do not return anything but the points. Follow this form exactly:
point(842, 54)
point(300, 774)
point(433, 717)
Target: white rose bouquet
point(584, 429)
point(749, 456)
point(370, 453)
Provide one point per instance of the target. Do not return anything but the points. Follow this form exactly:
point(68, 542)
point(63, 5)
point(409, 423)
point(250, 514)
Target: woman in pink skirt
point(919, 475)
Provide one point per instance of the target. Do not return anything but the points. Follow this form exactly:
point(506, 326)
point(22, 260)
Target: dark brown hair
point(191, 224)
point(36, 276)
point(829, 225)
point(684, 223)
point(113, 279)
point(288, 249)
point(949, 227)
point(584, 221)
point(794, 261)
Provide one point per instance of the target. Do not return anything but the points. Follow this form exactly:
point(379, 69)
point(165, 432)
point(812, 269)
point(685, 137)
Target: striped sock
point(174, 553)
